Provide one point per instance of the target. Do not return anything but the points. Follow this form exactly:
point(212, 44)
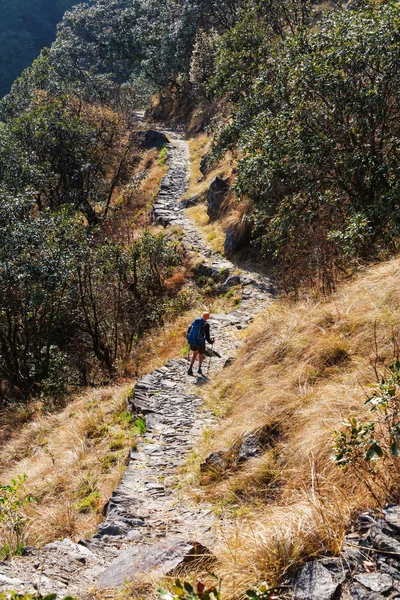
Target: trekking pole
point(211, 354)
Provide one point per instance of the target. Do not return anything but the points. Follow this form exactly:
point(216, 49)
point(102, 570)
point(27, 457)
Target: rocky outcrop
point(187, 203)
point(236, 238)
point(215, 196)
point(220, 464)
point(368, 568)
point(154, 139)
point(216, 271)
point(204, 164)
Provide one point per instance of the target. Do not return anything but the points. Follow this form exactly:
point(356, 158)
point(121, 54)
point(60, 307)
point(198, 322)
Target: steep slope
point(146, 507)
point(304, 368)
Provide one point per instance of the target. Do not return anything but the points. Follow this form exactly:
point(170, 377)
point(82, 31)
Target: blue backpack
point(196, 335)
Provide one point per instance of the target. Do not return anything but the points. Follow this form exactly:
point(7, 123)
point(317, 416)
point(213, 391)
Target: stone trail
point(147, 525)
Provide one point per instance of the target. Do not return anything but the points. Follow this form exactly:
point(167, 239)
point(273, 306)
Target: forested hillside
point(303, 95)
point(26, 27)
point(292, 111)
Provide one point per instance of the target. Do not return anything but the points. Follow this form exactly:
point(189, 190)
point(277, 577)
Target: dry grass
point(198, 186)
point(233, 212)
point(214, 232)
point(303, 368)
point(73, 460)
point(131, 204)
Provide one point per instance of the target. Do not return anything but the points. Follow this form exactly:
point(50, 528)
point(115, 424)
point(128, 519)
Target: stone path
point(147, 526)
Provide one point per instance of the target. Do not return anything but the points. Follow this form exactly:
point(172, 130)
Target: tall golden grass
point(231, 212)
point(73, 460)
point(303, 368)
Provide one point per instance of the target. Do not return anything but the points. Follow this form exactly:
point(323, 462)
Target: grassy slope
point(303, 368)
point(232, 211)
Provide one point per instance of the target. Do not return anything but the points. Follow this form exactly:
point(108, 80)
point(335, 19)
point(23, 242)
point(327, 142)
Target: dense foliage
point(369, 450)
point(71, 305)
point(315, 121)
point(26, 27)
point(309, 106)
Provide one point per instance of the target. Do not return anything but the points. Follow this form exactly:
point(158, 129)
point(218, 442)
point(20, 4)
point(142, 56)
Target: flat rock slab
point(392, 516)
point(315, 582)
point(159, 560)
point(358, 592)
point(377, 582)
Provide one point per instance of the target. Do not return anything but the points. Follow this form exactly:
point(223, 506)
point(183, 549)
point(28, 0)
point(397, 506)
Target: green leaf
point(164, 594)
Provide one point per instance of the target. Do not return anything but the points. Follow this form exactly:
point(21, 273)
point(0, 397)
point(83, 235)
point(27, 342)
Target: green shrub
point(88, 503)
point(370, 450)
point(118, 442)
point(315, 115)
point(185, 591)
point(13, 498)
point(140, 425)
point(162, 157)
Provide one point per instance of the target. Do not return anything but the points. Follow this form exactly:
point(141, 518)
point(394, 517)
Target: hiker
point(197, 334)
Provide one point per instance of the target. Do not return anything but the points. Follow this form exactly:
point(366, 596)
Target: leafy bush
point(13, 498)
point(203, 62)
point(185, 591)
point(68, 303)
point(370, 450)
point(140, 426)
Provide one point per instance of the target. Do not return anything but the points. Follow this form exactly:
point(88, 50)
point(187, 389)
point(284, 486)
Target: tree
point(26, 27)
point(122, 294)
point(319, 145)
point(37, 264)
point(68, 153)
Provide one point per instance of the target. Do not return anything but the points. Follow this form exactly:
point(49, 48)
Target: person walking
point(198, 333)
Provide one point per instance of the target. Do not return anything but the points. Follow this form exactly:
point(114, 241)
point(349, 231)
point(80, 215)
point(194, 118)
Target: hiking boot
point(190, 371)
point(200, 372)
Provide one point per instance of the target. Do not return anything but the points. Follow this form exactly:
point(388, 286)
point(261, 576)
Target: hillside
point(26, 28)
point(161, 161)
point(304, 368)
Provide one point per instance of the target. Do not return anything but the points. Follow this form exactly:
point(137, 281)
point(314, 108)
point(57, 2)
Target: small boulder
point(215, 466)
point(250, 447)
point(213, 272)
point(377, 582)
point(215, 197)
point(236, 238)
point(216, 461)
point(316, 582)
point(355, 591)
point(392, 516)
point(204, 163)
point(381, 541)
point(112, 529)
point(228, 362)
point(191, 201)
point(232, 281)
point(154, 139)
